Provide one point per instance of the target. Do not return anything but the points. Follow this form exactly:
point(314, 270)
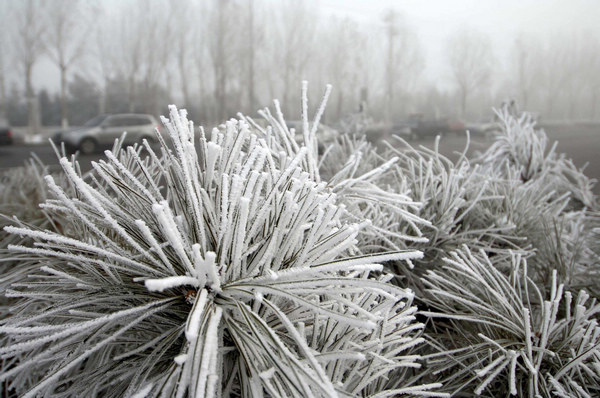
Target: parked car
point(101, 132)
point(456, 126)
point(6, 135)
point(421, 127)
point(485, 128)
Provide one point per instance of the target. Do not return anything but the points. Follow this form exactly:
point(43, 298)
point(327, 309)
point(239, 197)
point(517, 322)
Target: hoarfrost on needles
point(244, 230)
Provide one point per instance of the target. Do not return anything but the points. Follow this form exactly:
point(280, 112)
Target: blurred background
point(63, 62)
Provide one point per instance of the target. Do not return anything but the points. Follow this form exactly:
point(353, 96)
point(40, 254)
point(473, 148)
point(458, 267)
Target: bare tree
point(470, 59)
point(403, 58)
point(554, 72)
point(28, 42)
point(128, 48)
point(222, 47)
point(343, 64)
point(184, 32)
point(296, 35)
point(4, 55)
point(254, 44)
point(103, 61)
point(580, 56)
point(591, 72)
point(526, 69)
point(156, 44)
point(68, 29)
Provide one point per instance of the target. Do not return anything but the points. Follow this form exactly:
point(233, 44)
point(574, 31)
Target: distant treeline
point(217, 57)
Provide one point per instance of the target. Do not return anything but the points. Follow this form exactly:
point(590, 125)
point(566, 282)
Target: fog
point(64, 61)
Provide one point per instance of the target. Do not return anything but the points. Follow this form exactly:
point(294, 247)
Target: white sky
point(502, 20)
point(435, 20)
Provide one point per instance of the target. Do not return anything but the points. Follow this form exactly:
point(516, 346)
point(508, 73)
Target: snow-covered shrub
point(498, 333)
point(520, 146)
point(229, 269)
point(550, 202)
point(22, 190)
point(515, 198)
point(454, 197)
point(364, 182)
point(516, 212)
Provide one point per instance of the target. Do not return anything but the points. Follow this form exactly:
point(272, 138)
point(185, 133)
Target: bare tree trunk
point(390, 69)
point(202, 114)
point(64, 118)
point(103, 98)
point(250, 56)
point(33, 121)
point(3, 105)
point(220, 64)
point(182, 76)
point(131, 94)
point(463, 103)
point(286, 88)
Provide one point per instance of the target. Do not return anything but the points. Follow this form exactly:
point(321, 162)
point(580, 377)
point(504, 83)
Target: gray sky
point(502, 20)
point(435, 20)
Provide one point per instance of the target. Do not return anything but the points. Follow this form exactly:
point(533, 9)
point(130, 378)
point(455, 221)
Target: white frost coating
point(143, 393)
point(154, 244)
point(160, 285)
point(309, 271)
point(201, 272)
point(91, 196)
point(206, 379)
point(65, 241)
point(193, 322)
point(125, 171)
point(240, 235)
point(267, 374)
point(167, 222)
point(374, 258)
point(260, 197)
point(180, 359)
point(422, 390)
point(210, 268)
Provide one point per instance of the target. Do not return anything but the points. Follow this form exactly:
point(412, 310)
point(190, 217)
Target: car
point(485, 128)
point(6, 134)
point(422, 127)
point(456, 126)
point(101, 132)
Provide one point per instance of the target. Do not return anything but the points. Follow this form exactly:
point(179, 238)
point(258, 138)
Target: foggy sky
point(435, 20)
point(502, 20)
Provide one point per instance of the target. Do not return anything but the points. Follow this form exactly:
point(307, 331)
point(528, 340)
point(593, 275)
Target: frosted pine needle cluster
point(222, 266)
point(365, 182)
point(522, 147)
point(508, 335)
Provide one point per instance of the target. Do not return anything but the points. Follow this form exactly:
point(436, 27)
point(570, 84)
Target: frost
point(160, 285)
point(272, 250)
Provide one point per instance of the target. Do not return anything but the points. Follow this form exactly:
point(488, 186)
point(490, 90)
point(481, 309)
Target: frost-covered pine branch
point(521, 146)
point(226, 270)
point(364, 181)
point(498, 334)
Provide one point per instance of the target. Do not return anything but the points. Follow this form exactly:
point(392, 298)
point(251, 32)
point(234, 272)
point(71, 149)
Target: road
point(18, 155)
point(580, 142)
